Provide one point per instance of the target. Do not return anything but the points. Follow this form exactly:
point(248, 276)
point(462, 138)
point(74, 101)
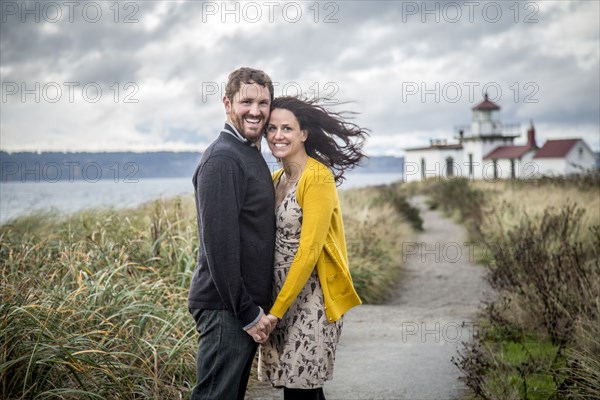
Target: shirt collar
point(230, 129)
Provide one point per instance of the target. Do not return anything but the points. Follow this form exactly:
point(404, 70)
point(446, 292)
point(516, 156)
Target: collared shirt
point(229, 128)
point(251, 324)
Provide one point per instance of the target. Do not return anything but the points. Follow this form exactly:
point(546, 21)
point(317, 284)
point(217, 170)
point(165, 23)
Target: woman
point(311, 278)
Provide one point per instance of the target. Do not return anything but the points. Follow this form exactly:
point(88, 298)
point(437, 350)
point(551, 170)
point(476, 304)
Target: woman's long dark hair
point(331, 140)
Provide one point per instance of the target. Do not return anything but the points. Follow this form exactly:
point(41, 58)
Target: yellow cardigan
point(322, 243)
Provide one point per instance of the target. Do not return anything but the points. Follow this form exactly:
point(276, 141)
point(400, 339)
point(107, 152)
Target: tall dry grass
point(94, 305)
point(90, 308)
point(376, 224)
point(543, 261)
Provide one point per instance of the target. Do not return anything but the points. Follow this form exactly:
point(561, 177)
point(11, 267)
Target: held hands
point(273, 320)
point(262, 329)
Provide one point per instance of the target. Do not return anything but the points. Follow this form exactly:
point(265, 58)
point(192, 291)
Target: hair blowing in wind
point(331, 139)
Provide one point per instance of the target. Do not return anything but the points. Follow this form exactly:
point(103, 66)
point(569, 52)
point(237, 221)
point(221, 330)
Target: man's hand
point(261, 330)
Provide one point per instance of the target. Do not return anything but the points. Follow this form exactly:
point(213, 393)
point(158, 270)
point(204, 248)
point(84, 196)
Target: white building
point(564, 157)
point(514, 161)
point(439, 159)
point(485, 150)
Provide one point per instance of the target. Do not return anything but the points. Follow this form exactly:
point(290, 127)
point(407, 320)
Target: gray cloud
point(177, 51)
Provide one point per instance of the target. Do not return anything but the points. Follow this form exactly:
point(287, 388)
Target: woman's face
point(285, 138)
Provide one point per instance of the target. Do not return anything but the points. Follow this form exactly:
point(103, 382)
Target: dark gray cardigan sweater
point(235, 201)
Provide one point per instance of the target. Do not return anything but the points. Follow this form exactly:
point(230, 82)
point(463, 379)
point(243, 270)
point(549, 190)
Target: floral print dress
point(300, 352)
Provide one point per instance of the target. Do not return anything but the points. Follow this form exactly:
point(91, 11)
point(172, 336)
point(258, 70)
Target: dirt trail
point(402, 349)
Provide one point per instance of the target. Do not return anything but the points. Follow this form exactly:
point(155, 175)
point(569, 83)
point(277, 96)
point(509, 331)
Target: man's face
point(249, 110)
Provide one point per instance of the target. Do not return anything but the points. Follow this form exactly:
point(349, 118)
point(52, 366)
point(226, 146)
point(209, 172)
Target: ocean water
point(22, 198)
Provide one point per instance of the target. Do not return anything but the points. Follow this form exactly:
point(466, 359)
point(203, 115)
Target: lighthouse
point(486, 133)
point(485, 150)
point(485, 119)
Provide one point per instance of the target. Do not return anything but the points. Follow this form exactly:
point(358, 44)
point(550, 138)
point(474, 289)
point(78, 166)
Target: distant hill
point(53, 167)
point(125, 166)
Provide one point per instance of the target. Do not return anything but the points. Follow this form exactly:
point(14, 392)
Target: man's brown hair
point(248, 76)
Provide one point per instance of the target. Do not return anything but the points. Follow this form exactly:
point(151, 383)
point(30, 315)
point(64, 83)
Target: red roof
point(507, 152)
point(556, 148)
point(486, 105)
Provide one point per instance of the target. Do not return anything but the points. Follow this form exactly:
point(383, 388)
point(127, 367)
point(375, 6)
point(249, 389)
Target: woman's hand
point(273, 321)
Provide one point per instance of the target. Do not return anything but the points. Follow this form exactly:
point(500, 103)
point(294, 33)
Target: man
point(231, 286)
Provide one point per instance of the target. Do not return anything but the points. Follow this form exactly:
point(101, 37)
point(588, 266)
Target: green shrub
point(539, 338)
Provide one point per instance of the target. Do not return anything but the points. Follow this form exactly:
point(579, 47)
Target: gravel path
point(402, 349)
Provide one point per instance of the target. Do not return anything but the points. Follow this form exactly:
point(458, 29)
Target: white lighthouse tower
point(486, 133)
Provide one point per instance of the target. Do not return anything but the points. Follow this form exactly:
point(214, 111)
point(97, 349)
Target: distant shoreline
point(55, 167)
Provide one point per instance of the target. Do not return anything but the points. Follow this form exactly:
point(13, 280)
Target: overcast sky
point(149, 75)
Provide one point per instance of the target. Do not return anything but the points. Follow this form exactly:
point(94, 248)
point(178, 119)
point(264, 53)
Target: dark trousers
point(224, 359)
point(303, 394)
